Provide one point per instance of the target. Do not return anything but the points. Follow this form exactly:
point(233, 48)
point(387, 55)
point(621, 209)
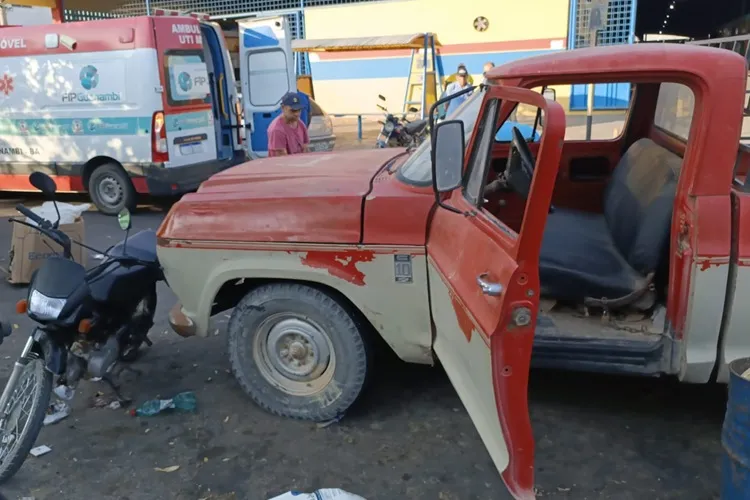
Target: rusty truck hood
point(312, 198)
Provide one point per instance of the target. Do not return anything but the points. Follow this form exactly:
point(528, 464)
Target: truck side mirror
point(448, 150)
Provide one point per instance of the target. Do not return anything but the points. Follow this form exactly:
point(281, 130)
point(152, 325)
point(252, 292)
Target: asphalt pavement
point(597, 437)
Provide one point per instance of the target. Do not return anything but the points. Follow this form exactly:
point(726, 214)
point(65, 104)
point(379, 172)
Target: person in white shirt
point(487, 67)
point(460, 84)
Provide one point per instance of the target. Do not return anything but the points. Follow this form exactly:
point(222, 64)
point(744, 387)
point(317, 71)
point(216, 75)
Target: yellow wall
point(509, 21)
point(453, 22)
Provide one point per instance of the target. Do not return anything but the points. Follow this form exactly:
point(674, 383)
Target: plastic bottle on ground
point(184, 402)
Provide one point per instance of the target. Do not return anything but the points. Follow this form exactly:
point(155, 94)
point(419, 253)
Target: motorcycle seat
point(415, 127)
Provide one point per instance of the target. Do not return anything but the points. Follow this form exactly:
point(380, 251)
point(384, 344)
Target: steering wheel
point(520, 167)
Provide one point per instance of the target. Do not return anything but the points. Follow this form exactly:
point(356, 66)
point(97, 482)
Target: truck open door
point(484, 279)
point(267, 73)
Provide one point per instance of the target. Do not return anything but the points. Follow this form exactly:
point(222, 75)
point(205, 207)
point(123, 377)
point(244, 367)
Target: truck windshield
point(418, 168)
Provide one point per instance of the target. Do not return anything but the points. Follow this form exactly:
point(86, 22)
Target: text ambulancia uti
point(88, 97)
point(187, 33)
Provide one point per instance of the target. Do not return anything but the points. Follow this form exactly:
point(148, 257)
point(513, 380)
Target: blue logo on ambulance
point(184, 81)
point(89, 77)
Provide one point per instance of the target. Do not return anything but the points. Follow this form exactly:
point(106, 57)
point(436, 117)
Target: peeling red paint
point(707, 264)
point(342, 264)
point(464, 321)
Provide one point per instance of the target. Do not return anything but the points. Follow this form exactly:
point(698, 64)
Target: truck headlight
point(44, 307)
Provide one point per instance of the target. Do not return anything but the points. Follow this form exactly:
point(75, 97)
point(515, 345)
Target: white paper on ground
point(40, 450)
point(56, 412)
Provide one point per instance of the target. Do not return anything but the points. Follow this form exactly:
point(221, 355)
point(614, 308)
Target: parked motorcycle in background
point(88, 320)
point(401, 132)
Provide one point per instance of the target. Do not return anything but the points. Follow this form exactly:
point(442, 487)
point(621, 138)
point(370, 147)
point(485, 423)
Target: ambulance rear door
point(188, 117)
point(266, 73)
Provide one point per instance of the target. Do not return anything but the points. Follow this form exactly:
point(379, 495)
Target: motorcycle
point(397, 132)
point(88, 321)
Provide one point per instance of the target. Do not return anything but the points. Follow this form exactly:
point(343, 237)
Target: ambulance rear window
point(187, 77)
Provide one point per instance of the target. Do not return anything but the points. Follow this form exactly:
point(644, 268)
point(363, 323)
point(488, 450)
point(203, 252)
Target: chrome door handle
point(493, 289)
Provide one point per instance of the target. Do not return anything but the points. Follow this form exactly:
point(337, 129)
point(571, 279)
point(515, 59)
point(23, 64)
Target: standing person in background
point(452, 78)
point(287, 134)
point(487, 67)
point(461, 83)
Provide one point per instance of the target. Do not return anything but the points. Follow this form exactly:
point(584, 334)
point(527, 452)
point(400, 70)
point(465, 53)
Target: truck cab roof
point(620, 62)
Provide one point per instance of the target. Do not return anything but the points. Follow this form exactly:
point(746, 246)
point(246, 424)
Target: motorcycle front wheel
point(24, 414)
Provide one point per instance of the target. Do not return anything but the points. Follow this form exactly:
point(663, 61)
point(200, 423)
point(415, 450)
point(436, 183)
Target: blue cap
point(293, 100)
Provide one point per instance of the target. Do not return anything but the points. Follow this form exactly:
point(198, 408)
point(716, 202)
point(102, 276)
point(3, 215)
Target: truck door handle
point(488, 288)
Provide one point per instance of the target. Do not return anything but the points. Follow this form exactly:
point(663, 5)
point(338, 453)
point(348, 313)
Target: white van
point(117, 107)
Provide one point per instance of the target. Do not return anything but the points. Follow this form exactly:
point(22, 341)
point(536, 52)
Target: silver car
point(320, 129)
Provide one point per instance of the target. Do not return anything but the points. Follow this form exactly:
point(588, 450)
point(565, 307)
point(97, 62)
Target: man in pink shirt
point(287, 135)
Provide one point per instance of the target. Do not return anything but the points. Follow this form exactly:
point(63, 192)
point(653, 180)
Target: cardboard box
point(29, 249)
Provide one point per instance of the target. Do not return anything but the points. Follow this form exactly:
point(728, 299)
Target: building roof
point(384, 42)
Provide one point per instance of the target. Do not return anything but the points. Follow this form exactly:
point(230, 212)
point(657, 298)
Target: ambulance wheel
point(111, 190)
point(297, 352)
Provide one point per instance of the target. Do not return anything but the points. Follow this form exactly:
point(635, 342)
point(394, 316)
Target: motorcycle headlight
point(388, 127)
point(44, 307)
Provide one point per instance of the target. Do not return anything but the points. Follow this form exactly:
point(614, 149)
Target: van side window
point(268, 78)
point(187, 77)
point(674, 109)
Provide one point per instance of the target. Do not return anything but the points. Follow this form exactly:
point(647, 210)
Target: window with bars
point(615, 26)
point(618, 27)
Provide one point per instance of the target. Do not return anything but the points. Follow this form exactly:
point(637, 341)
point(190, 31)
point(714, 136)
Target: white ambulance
point(117, 107)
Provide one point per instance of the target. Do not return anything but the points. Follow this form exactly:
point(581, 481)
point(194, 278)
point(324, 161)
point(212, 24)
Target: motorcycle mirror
point(43, 183)
point(413, 109)
point(381, 97)
point(124, 219)
point(382, 108)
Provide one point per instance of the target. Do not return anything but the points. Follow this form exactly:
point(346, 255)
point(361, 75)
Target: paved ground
point(596, 437)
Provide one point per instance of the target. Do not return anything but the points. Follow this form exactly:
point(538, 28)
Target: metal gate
point(72, 16)
point(741, 45)
point(613, 23)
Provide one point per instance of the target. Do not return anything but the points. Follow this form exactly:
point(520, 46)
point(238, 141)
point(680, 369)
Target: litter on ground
point(40, 450)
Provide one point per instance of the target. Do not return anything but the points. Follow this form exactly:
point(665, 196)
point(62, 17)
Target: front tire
point(16, 443)
point(297, 352)
point(111, 190)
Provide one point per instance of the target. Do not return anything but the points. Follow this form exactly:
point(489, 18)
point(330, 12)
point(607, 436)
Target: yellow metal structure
point(35, 3)
point(422, 86)
point(424, 73)
point(305, 85)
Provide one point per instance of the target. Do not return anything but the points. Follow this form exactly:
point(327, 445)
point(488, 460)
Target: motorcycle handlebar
point(31, 215)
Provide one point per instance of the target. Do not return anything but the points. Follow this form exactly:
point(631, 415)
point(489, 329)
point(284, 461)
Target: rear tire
point(11, 461)
point(111, 190)
point(297, 352)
